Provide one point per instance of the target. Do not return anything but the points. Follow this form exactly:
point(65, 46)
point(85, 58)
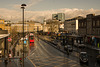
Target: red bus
point(31, 40)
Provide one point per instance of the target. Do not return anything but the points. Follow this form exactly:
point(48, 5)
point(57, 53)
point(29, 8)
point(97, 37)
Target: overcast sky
point(38, 9)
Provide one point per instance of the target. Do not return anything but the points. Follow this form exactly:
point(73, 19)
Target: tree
point(13, 31)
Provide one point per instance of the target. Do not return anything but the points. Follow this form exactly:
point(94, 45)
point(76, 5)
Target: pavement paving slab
point(15, 63)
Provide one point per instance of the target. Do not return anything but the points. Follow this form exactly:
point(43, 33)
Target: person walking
point(6, 62)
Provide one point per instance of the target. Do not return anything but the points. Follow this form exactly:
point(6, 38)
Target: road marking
point(74, 65)
point(69, 60)
point(44, 48)
point(32, 62)
point(32, 52)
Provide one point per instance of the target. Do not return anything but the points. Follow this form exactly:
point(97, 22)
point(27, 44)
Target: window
point(98, 23)
point(82, 24)
point(93, 23)
point(31, 37)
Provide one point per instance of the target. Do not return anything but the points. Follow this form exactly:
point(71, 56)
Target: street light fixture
point(23, 7)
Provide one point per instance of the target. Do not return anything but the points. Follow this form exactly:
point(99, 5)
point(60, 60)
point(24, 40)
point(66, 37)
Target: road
point(44, 55)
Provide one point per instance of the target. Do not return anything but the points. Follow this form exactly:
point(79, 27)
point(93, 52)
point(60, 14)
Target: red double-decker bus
point(31, 39)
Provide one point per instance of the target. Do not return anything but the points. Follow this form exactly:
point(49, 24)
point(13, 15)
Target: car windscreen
point(83, 55)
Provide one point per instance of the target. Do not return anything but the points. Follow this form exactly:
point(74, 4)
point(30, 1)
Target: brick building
point(82, 27)
point(89, 25)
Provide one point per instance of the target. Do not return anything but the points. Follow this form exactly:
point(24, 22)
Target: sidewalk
point(27, 63)
point(15, 63)
point(10, 64)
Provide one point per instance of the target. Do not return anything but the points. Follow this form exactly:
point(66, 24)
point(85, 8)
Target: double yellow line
point(31, 62)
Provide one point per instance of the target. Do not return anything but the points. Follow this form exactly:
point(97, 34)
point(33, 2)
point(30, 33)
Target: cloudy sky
point(38, 9)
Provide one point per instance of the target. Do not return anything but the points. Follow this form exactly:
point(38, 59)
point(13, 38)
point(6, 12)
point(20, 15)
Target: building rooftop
point(79, 17)
point(4, 35)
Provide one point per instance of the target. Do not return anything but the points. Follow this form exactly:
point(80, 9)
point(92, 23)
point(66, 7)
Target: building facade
point(54, 16)
point(71, 25)
point(2, 25)
point(37, 27)
point(31, 26)
point(59, 17)
point(19, 27)
point(61, 27)
point(51, 26)
point(90, 25)
point(8, 27)
point(82, 27)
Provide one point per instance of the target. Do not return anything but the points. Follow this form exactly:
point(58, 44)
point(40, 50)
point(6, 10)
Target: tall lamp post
point(23, 7)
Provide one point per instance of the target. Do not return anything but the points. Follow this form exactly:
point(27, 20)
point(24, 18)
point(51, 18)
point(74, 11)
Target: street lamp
point(23, 7)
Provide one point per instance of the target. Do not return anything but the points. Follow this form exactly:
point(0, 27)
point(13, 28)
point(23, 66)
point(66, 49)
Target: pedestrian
point(9, 57)
point(6, 62)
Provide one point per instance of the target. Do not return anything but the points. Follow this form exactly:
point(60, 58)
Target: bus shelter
point(4, 45)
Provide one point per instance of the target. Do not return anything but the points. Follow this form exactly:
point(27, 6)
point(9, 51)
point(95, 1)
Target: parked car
point(83, 57)
point(63, 42)
point(55, 41)
point(81, 45)
point(98, 59)
point(68, 48)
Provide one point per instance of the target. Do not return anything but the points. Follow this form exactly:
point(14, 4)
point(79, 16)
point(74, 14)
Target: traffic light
point(20, 60)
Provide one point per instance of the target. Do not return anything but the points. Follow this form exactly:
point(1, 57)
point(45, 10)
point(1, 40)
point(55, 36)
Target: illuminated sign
point(25, 42)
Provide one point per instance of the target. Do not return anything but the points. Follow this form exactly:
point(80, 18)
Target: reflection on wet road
point(45, 55)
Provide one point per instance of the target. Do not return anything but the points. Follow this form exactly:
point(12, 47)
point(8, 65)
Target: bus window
point(31, 37)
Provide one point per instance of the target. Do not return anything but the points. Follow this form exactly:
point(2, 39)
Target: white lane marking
point(50, 53)
point(33, 51)
point(45, 49)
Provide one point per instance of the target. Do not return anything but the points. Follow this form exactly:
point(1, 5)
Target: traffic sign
point(9, 39)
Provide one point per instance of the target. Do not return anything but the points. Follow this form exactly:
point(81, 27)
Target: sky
point(39, 9)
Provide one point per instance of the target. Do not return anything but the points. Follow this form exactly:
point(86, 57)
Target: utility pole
point(23, 7)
